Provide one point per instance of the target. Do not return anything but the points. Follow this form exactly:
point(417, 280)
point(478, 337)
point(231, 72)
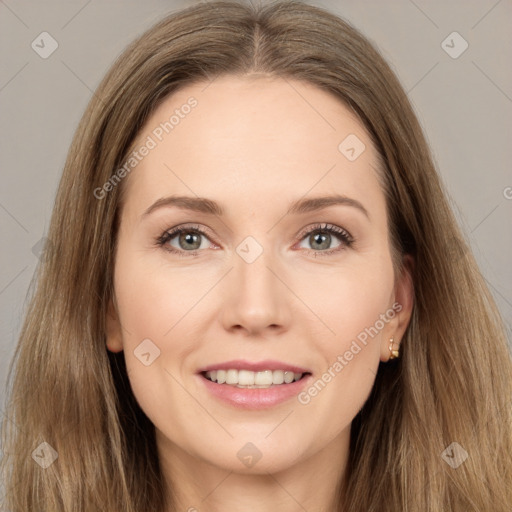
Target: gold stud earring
point(393, 354)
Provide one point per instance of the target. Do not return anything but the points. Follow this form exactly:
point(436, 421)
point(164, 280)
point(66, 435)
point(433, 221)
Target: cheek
point(351, 305)
point(154, 298)
point(152, 304)
point(348, 300)
point(351, 355)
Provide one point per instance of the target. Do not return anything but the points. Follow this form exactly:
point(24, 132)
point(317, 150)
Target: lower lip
point(255, 398)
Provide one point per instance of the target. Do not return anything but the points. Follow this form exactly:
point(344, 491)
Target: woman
point(257, 294)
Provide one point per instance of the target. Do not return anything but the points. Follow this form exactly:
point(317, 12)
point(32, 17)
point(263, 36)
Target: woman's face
point(265, 276)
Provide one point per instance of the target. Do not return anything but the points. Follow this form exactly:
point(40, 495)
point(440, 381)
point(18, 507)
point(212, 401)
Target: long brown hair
point(452, 383)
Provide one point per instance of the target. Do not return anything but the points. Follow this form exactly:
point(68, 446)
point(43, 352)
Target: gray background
point(464, 105)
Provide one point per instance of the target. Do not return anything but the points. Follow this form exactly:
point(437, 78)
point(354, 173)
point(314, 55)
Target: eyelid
point(176, 230)
point(324, 226)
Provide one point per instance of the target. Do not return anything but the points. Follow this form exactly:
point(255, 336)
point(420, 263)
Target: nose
point(255, 300)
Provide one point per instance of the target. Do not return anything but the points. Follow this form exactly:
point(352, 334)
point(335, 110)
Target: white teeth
point(232, 377)
point(248, 379)
point(263, 378)
point(245, 378)
point(288, 377)
point(278, 377)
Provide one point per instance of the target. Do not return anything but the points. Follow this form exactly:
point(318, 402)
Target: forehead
point(253, 136)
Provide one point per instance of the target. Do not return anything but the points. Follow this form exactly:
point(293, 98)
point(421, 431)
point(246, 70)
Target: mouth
point(252, 385)
point(247, 379)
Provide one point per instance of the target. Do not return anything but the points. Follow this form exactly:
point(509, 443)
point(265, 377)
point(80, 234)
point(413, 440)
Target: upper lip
point(254, 366)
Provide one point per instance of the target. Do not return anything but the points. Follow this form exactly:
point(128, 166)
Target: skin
point(254, 145)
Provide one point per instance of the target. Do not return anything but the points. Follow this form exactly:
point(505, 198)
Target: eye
point(189, 240)
point(320, 238)
point(184, 239)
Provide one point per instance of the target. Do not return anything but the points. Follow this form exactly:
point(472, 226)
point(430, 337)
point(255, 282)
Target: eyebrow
point(210, 207)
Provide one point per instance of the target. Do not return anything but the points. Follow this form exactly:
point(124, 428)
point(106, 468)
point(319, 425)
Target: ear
point(402, 303)
point(114, 331)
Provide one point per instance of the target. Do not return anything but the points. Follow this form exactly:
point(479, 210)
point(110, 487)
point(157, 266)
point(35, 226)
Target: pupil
point(322, 239)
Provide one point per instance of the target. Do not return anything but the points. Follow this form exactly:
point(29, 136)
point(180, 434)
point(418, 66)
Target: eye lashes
point(344, 236)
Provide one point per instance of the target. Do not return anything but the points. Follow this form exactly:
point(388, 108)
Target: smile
point(253, 396)
point(253, 380)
